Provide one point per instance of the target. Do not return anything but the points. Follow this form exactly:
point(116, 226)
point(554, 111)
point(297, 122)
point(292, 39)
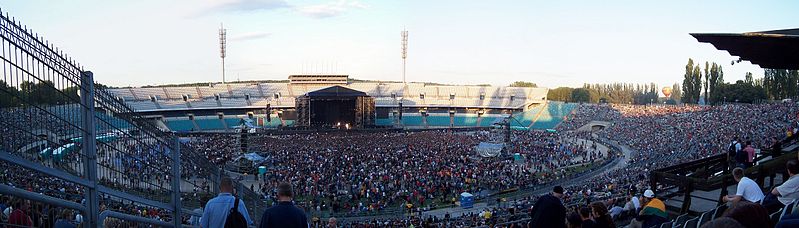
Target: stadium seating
point(210, 124)
point(553, 115)
point(468, 120)
point(180, 125)
point(69, 113)
point(438, 120)
point(232, 122)
point(384, 122)
point(412, 120)
point(487, 121)
point(232, 95)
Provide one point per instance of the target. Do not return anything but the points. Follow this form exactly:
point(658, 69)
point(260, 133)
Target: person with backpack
point(732, 152)
point(225, 210)
point(284, 214)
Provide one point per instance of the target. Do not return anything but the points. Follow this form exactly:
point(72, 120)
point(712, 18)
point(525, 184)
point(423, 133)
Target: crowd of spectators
point(350, 172)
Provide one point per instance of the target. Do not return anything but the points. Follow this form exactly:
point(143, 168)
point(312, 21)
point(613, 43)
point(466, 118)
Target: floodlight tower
point(222, 51)
point(404, 34)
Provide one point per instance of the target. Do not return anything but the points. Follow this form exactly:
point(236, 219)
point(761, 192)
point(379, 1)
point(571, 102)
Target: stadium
point(346, 152)
point(222, 107)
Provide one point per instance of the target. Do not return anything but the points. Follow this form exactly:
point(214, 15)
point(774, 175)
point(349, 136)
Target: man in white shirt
point(787, 192)
point(634, 204)
point(747, 189)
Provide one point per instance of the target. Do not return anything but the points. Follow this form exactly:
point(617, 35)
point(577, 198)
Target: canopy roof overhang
point(336, 91)
point(778, 49)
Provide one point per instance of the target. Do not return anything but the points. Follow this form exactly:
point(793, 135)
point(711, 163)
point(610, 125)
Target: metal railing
point(67, 144)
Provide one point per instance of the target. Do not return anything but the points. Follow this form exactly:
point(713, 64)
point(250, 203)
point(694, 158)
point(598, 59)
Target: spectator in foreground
point(634, 204)
point(332, 222)
point(723, 222)
point(750, 215)
point(574, 220)
point(776, 147)
point(747, 189)
point(217, 209)
point(64, 220)
point(750, 154)
point(549, 210)
point(787, 192)
point(585, 214)
point(654, 211)
point(600, 214)
point(19, 217)
point(284, 214)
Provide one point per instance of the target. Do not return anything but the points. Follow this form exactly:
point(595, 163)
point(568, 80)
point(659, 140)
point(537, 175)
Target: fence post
point(176, 184)
point(92, 203)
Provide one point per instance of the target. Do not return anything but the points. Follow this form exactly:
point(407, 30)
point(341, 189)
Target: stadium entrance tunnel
point(335, 106)
point(594, 126)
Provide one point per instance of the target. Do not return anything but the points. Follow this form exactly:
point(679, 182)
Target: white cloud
point(330, 9)
point(215, 6)
point(250, 36)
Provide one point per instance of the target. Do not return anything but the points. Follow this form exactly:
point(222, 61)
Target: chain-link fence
point(72, 152)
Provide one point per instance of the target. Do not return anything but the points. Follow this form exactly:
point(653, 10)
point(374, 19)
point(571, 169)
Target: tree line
point(41, 93)
point(621, 93)
point(708, 83)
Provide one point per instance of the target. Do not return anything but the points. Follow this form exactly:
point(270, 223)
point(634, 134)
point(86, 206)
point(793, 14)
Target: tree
point(560, 94)
point(748, 78)
point(581, 95)
point(707, 81)
point(688, 88)
point(676, 92)
point(46, 93)
point(780, 84)
point(8, 95)
point(742, 92)
point(70, 95)
point(623, 93)
point(696, 79)
point(523, 84)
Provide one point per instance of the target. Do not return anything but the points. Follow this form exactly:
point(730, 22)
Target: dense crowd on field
point(357, 172)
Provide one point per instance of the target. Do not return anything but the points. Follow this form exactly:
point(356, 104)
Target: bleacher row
point(539, 117)
point(282, 95)
point(685, 221)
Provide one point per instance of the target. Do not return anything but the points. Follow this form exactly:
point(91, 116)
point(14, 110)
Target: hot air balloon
point(666, 91)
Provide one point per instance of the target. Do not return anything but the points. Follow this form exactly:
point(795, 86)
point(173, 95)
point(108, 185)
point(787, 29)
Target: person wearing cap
point(654, 211)
point(549, 210)
point(284, 214)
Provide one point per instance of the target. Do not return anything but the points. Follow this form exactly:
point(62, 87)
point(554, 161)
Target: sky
point(551, 43)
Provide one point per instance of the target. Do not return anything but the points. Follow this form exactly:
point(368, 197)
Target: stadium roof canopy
point(336, 91)
point(778, 49)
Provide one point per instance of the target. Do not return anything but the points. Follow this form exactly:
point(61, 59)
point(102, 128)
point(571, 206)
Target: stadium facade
point(220, 107)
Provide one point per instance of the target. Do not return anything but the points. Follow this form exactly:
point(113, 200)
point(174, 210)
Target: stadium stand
point(554, 113)
point(181, 125)
point(179, 101)
point(438, 120)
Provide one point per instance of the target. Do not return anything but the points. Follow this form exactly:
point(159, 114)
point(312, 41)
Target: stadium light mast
point(222, 46)
point(404, 34)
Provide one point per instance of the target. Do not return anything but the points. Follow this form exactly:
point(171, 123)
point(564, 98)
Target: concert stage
point(335, 107)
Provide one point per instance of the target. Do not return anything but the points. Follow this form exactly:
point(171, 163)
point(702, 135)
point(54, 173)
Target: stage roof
point(336, 91)
point(777, 49)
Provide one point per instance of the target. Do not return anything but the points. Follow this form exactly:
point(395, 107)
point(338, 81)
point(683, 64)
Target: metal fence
point(73, 152)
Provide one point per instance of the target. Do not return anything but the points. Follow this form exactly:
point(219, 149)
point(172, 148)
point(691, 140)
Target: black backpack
point(235, 219)
point(731, 150)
